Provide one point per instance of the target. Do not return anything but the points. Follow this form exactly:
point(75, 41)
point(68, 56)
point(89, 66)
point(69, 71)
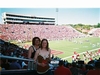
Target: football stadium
point(67, 43)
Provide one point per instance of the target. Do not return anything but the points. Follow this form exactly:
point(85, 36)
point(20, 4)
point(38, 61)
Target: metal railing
point(30, 61)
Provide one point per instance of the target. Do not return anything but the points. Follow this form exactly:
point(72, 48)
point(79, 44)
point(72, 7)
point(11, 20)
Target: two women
point(42, 58)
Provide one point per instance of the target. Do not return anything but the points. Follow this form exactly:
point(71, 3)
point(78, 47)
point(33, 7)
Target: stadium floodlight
point(57, 15)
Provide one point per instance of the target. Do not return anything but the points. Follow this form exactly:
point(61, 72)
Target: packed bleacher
point(27, 32)
point(13, 51)
point(10, 49)
point(95, 32)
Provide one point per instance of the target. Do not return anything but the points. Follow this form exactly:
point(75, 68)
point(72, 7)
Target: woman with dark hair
point(35, 45)
point(42, 58)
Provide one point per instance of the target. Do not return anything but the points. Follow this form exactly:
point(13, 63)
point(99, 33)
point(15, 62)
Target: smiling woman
point(42, 57)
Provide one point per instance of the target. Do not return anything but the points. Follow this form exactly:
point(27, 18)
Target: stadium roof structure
point(27, 15)
point(11, 18)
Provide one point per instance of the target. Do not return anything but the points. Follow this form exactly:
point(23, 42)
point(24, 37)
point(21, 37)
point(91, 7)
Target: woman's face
point(37, 42)
point(44, 44)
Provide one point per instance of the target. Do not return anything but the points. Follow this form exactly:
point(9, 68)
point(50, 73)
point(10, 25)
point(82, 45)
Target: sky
point(88, 16)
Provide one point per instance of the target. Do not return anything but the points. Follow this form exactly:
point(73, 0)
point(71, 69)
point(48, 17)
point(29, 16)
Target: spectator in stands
point(15, 65)
point(69, 65)
point(42, 58)
point(52, 56)
point(81, 68)
point(0, 65)
point(74, 70)
point(5, 64)
point(61, 70)
point(34, 47)
point(23, 64)
point(96, 71)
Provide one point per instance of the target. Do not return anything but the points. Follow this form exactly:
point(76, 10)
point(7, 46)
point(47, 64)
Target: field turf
point(66, 48)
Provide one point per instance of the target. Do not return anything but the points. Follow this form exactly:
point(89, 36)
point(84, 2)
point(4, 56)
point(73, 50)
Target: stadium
point(64, 40)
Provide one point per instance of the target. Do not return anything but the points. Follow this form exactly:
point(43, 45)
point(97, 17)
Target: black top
point(33, 53)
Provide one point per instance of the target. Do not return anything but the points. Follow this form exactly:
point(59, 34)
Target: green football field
point(65, 48)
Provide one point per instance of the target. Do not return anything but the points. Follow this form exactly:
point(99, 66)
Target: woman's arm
point(30, 52)
point(36, 55)
point(49, 55)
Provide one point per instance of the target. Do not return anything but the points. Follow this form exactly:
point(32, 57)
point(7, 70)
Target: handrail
point(10, 57)
point(30, 61)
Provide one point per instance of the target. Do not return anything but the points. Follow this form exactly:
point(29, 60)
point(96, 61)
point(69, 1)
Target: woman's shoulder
point(49, 49)
point(31, 46)
point(38, 50)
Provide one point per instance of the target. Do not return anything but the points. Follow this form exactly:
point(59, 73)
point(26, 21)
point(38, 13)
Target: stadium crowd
point(97, 32)
point(26, 32)
point(10, 49)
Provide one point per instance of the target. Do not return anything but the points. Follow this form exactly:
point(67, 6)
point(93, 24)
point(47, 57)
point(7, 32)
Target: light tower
point(57, 16)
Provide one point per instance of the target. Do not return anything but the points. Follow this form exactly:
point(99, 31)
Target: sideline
point(80, 53)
